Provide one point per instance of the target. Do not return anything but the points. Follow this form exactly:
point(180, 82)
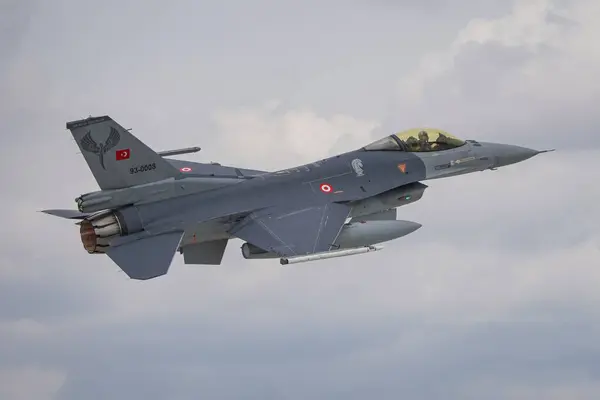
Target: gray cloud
point(521, 77)
point(14, 21)
point(494, 297)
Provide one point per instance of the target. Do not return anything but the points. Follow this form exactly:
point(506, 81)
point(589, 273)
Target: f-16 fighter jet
point(150, 206)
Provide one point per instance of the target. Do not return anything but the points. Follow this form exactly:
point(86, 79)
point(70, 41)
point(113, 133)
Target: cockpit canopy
point(417, 140)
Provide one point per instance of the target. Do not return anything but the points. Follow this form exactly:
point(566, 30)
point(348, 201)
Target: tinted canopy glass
point(388, 143)
point(428, 139)
point(417, 140)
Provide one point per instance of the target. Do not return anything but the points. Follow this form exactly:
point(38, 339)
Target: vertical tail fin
point(116, 157)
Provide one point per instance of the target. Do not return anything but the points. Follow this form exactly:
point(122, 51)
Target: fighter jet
point(151, 206)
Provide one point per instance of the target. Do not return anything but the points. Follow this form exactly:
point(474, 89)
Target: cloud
point(44, 383)
point(280, 138)
point(529, 27)
point(523, 77)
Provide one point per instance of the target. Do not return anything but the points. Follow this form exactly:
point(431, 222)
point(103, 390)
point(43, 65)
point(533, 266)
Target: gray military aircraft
point(149, 207)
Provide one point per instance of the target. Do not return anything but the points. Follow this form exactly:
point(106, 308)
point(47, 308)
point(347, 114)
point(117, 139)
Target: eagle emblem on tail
point(89, 144)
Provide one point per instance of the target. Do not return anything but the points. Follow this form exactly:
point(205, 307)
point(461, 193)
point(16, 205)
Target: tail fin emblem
point(357, 165)
point(89, 144)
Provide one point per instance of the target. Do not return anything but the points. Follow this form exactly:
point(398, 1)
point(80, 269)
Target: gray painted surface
point(293, 212)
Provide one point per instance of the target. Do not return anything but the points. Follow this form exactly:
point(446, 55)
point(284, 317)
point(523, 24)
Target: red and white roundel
point(185, 169)
point(325, 187)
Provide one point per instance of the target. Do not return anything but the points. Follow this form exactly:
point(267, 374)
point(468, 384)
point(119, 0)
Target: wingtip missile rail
point(329, 254)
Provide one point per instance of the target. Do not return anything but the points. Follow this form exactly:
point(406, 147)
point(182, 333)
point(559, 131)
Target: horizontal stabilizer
point(146, 258)
point(68, 214)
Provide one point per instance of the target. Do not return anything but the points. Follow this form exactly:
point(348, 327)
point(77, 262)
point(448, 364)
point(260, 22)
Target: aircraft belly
point(394, 198)
point(352, 235)
point(385, 215)
point(206, 232)
point(205, 253)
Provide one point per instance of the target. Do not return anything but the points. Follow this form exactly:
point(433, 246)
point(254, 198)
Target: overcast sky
point(496, 297)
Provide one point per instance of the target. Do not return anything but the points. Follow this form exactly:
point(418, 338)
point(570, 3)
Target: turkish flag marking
point(123, 154)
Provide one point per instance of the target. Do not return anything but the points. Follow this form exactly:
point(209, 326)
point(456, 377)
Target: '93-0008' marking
point(142, 168)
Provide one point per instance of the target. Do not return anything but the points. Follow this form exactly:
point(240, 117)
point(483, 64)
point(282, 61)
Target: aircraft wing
point(293, 232)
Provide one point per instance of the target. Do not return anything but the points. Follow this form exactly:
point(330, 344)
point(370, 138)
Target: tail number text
point(142, 168)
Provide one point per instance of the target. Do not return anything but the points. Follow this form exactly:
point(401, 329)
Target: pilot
point(413, 143)
point(424, 144)
point(442, 142)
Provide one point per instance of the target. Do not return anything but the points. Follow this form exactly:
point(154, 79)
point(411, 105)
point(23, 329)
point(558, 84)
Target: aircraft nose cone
point(514, 154)
point(506, 154)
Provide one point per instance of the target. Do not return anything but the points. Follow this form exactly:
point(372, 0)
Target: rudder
point(117, 158)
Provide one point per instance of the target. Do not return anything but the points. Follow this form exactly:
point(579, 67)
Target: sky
point(495, 297)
